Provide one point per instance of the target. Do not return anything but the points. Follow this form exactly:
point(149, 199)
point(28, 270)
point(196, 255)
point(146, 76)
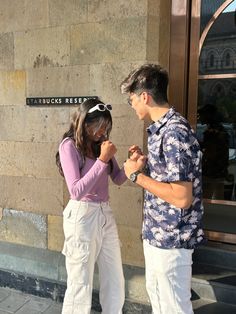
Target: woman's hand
point(134, 152)
point(108, 150)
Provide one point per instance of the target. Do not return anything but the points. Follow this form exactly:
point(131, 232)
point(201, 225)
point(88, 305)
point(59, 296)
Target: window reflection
point(216, 132)
point(208, 8)
point(218, 54)
point(216, 126)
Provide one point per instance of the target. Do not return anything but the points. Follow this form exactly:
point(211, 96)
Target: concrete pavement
point(16, 302)
point(13, 301)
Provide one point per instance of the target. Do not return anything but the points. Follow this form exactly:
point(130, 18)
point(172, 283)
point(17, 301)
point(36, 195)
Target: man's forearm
point(178, 193)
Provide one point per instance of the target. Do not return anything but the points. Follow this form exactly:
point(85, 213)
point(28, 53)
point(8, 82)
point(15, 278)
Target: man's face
point(136, 101)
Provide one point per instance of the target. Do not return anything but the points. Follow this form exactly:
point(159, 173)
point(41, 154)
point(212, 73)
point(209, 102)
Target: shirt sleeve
point(177, 148)
point(71, 163)
point(117, 175)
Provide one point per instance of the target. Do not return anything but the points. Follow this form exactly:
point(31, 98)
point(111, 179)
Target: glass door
point(210, 106)
point(216, 115)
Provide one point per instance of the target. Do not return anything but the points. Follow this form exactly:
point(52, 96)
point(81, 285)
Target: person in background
point(171, 177)
point(86, 160)
point(215, 150)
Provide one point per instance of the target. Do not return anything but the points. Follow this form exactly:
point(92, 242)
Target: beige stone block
point(42, 196)
point(123, 110)
point(154, 7)
point(127, 205)
point(131, 245)
point(45, 47)
point(6, 51)
point(28, 159)
point(158, 32)
point(108, 41)
point(12, 89)
point(55, 233)
point(127, 132)
point(23, 228)
point(113, 9)
point(33, 124)
point(164, 33)
point(18, 15)
point(58, 81)
point(63, 12)
point(153, 39)
point(105, 80)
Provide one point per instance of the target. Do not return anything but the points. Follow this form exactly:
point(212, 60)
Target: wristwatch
point(134, 175)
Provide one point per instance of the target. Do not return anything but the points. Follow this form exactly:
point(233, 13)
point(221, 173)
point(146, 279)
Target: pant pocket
point(77, 262)
point(74, 211)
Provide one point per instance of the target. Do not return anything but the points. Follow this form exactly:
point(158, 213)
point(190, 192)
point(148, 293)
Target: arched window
point(227, 59)
point(232, 90)
point(212, 60)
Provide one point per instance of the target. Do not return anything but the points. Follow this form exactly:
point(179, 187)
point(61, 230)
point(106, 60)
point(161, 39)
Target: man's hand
point(131, 166)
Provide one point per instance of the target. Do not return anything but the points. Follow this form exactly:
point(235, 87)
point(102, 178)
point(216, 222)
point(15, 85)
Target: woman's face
point(97, 133)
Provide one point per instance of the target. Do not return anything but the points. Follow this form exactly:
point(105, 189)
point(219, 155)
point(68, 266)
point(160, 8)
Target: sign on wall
point(57, 101)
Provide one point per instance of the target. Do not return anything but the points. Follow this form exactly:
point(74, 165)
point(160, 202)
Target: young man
point(173, 194)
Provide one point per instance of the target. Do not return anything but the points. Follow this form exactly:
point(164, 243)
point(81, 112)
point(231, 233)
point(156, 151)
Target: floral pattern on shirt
point(173, 155)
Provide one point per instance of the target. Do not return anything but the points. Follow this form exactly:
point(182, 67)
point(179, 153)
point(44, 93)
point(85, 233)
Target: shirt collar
point(155, 126)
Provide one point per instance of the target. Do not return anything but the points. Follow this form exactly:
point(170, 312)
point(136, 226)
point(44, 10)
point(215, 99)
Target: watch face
point(133, 177)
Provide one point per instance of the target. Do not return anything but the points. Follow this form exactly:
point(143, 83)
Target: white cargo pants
point(91, 236)
point(168, 279)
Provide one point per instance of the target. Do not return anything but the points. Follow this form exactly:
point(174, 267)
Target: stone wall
point(69, 48)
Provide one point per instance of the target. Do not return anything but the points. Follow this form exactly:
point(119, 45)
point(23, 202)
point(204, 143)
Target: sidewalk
point(16, 302)
point(12, 301)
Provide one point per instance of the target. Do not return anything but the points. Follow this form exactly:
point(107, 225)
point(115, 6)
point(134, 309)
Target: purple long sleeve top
point(90, 182)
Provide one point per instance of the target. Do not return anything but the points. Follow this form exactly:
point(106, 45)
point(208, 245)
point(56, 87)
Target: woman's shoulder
point(68, 141)
point(67, 144)
point(67, 148)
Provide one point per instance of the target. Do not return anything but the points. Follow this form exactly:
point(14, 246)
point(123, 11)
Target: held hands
point(108, 150)
point(134, 152)
point(136, 160)
point(131, 166)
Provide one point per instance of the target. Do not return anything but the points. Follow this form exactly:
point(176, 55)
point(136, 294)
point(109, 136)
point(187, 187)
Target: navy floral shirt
point(173, 155)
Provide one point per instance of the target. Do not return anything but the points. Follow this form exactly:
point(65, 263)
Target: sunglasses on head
point(100, 107)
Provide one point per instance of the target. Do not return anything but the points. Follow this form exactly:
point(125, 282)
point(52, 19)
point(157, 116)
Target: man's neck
point(156, 112)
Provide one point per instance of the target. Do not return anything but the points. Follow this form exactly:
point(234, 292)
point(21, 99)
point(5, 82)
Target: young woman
point(86, 160)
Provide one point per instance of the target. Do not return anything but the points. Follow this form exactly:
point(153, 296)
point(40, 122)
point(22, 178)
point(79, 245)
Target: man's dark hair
point(151, 78)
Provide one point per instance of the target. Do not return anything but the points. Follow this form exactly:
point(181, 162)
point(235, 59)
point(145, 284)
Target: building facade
point(54, 49)
point(71, 49)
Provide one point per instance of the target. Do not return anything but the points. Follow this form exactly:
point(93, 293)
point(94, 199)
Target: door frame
point(185, 47)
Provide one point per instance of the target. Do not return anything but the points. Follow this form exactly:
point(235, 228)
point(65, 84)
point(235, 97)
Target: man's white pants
point(168, 279)
point(91, 236)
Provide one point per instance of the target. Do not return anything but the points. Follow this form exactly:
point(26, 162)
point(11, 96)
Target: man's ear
point(147, 98)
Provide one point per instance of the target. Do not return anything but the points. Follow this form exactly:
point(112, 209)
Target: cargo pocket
point(72, 215)
point(77, 262)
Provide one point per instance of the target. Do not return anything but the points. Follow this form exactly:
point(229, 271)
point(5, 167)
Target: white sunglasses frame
point(97, 108)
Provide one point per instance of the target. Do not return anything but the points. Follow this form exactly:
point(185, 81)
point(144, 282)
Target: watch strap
point(133, 177)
